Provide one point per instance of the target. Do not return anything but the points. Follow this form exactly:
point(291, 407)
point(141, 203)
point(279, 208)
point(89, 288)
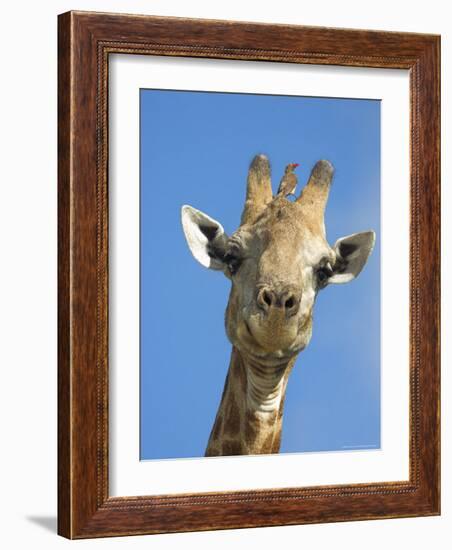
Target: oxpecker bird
point(289, 181)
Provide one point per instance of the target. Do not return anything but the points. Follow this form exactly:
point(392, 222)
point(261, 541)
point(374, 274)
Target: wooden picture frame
point(85, 42)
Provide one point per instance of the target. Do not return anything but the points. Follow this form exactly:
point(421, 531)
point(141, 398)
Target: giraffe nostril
point(291, 304)
point(267, 297)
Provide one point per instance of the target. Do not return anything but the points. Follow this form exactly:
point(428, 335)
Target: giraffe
point(277, 260)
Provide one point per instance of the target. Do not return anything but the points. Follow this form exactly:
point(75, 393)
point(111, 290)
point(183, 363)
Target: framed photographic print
point(248, 275)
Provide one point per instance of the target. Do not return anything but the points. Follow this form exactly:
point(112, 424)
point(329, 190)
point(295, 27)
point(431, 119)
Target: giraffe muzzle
point(270, 298)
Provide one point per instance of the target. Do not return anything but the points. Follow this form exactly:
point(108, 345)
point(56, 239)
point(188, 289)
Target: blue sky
point(195, 149)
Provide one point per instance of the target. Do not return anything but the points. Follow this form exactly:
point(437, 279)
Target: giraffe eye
point(323, 274)
point(233, 262)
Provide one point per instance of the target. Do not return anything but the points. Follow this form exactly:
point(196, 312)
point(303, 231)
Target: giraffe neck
point(249, 418)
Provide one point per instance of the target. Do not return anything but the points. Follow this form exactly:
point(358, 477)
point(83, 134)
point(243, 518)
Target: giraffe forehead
point(289, 249)
point(284, 219)
point(281, 209)
point(279, 220)
point(284, 232)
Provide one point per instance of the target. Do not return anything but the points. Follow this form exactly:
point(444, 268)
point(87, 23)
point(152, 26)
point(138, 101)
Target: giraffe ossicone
point(277, 260)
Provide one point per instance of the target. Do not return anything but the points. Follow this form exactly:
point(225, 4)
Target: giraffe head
point(277, 260)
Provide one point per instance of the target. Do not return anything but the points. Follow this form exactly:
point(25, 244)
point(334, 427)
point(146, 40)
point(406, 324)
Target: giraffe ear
point(352, 253)
point(205, 237)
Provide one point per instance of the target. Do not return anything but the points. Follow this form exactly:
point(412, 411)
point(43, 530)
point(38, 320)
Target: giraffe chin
point(262, 342)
